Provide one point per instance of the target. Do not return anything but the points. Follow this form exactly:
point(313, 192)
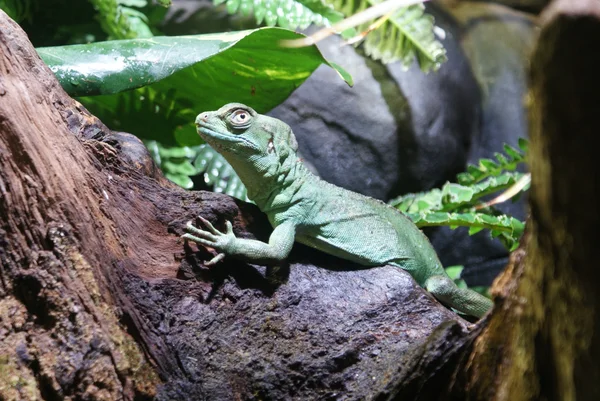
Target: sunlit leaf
point(184, 75)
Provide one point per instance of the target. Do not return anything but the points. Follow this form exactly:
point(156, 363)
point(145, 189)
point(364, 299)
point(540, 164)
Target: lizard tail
point(462, 299)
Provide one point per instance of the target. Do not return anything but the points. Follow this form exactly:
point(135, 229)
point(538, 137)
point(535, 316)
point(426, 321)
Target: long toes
point(198, 240)
point(209, 226)
point(215, 260)
point(229, 227)
point(201, 233)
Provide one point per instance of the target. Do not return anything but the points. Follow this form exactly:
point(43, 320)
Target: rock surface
point(323, 334)
point(497, 42)
point(304, 332)
point(396, 130)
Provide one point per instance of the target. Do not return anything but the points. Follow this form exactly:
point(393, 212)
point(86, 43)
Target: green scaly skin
point(302, 207)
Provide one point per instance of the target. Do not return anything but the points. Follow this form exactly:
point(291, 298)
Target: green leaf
point(454, 271)
point(474, 230)
point(419, 202)
point(457, 193)
point(523, 145)
point(175, 162)
point(501, 158)
point(180, 179)
point(120, 21)
point(488, 164)
point(18, 10)
point(240, 61)
point(183, 167)
point(507, 228)
point(185, 75)
point(512, 152)
point(488, 168)
point(454, 197)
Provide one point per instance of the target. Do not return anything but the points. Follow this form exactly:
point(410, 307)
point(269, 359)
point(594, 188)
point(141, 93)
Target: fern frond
point(120, 21)
point(290, 14)
point(174, 162)
point(408, 34)
point(506, 228)
point(219, 174)
point(488, 167)
point(18, 10)
point(456, 205)
point(146, 113)
point(181, 163)
point(454, 197)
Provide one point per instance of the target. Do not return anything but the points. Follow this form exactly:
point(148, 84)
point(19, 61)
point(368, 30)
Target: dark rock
point(305, 332)
point(533, 6)
point(497, 41)
point(395, 131)
point(322, 333)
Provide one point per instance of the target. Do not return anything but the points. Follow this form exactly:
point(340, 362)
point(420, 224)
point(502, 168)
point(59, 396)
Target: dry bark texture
point(92, 272)
point(59, 336)
point(550, 311)
point(542, 340)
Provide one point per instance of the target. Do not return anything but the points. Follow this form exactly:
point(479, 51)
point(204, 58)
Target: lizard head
point(241, 134)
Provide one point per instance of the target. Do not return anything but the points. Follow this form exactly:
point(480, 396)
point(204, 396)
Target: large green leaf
point(184, 75)
point(236, 60)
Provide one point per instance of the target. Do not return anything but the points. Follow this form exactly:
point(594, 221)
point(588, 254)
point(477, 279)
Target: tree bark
point(59, 335)
point(551, 315)
point(542, 339)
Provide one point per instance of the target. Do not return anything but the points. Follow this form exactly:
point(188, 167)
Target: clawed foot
point(211, 237)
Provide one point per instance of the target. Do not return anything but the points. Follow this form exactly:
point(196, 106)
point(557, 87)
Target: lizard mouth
point(220, 139)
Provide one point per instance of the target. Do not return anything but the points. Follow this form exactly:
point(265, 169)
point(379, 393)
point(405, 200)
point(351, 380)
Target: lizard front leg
point(227, 244)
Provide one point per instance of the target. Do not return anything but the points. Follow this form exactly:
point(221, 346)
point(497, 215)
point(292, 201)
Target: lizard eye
point(240, 118)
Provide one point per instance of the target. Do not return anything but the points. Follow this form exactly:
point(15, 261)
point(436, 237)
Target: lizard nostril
point(202, 118)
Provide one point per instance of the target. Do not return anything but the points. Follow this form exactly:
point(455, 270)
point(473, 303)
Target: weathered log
point(542, 340)
point(101, 300)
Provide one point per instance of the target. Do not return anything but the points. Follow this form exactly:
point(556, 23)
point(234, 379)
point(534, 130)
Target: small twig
point(509, 193)
point(388, 6)
point(371, 28)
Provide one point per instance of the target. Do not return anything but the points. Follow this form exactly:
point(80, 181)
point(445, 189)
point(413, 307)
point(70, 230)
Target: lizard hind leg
point(462, 299)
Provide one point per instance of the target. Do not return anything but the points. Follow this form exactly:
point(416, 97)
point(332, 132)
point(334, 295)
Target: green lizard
point(302, 207)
